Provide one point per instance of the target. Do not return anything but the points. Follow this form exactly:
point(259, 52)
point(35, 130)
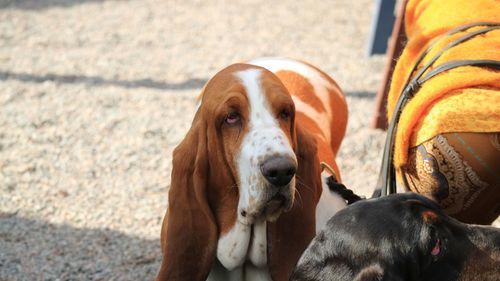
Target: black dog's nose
point(278, 170)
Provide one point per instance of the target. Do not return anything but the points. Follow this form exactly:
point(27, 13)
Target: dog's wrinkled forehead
point(243, 78)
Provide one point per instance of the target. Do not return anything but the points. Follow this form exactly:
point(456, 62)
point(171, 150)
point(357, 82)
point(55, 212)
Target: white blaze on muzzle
point(265, 139)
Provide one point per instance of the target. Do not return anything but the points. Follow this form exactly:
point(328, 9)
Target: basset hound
point(402, 236)
point(246, 179)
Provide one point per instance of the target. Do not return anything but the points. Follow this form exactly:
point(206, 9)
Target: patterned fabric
point(440, 172)
point(445, 173)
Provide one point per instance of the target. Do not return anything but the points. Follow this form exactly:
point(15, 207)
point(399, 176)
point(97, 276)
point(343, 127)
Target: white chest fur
point(329, 204)
point(242, 254)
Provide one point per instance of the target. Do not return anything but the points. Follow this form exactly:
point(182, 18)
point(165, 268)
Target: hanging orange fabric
point(464, 99)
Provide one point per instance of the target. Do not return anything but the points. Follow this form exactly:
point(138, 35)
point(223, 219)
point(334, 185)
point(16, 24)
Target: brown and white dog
point(246, 179)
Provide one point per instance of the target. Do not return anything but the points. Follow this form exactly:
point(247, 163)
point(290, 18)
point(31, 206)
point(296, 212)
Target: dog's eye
point(285, 114)
point(436, 250)
point(436, 245)
point(232, 118)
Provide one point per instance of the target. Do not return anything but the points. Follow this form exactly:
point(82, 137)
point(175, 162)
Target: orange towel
point(464, 99)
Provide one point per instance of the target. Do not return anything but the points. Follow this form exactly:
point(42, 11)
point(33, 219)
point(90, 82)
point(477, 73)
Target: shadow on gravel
point(97, 81)
point(361, 95)
point(36, 250)
point(41, 4)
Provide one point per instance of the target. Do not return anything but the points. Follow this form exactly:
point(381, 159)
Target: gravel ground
point(94, 96)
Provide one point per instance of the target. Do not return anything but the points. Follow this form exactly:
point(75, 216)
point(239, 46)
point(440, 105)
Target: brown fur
point(301, 88)
point(189, 212)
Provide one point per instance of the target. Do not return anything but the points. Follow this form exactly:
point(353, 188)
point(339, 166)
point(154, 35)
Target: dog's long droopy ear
point(289, 236)
point(189, 231)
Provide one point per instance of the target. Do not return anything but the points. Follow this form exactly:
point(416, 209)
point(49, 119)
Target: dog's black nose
point(278, 170)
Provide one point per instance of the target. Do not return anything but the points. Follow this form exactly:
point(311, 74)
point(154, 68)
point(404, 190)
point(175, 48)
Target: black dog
point(400, 237)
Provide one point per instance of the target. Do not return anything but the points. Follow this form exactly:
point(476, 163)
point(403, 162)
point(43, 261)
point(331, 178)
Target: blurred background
point(95, 95)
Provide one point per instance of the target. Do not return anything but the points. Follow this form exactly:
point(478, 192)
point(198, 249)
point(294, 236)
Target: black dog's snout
point(278, 170)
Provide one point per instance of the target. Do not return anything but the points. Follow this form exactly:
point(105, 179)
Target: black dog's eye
point(436, 250)
point(436, 245)
point(232, 118)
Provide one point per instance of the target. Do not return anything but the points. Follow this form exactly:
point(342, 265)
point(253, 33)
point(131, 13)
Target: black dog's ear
point(373, 272)
point(424, 209)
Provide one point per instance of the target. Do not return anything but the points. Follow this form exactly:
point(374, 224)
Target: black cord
point(347, 194)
